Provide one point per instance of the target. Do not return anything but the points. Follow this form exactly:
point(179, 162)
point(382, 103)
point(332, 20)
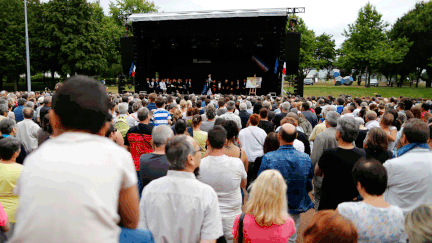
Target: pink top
point(3, 216)
point(253, 232)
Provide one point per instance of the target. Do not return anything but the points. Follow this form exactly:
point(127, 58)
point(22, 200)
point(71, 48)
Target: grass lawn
point(325, 89)
point(322, 89)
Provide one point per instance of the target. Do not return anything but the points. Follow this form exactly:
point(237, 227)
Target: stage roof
point(269, 12)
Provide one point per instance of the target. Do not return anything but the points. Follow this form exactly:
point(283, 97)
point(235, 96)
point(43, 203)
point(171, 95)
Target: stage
point(191, 45)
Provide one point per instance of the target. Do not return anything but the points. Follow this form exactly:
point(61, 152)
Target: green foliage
point(121, 8)
point(416, 27)
point(325, 51)
point(73, 37)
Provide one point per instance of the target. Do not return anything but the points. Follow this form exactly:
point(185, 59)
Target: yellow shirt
point(201, 138)
point(317, 130)
point(9, 174)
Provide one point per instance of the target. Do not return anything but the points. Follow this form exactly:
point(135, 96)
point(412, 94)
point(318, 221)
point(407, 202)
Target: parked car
point(373, 82)
point(308, 81)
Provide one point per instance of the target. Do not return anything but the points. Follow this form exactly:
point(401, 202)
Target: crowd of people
point(85, 165)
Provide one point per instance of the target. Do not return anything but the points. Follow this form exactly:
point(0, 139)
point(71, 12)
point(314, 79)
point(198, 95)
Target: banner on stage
point(253, 82)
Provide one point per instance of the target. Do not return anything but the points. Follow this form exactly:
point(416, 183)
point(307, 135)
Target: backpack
point(122, 125)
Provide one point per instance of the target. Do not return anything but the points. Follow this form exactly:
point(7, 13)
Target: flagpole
point(27, 48)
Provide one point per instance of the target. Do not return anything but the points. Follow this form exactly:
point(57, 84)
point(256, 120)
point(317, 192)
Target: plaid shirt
point(297, 170)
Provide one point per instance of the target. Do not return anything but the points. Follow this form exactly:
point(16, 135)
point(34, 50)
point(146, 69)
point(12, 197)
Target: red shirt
point(253, 232)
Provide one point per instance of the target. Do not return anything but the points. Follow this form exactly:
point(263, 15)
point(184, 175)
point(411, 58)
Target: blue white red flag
point(261, 64)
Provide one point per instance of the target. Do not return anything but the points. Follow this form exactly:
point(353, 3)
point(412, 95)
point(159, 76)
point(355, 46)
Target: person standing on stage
point(180, 85)
point(243, 87)
point(163, 86)
point(152, 86)
point(189, 86)
point(237, 89)
point(147, 84)
point(157, 86)
point(168, 85)
point(231, 87)
point(207, 86)
point(226, 87)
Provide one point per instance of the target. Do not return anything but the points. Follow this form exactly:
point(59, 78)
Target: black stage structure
point(191, 45)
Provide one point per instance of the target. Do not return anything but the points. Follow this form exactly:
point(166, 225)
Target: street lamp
point(27, 47)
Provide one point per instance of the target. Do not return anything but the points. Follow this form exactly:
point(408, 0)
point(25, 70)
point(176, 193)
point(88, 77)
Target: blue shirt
point(19, 113)
point(161, 116)
point(297, 170)
point(151, 106)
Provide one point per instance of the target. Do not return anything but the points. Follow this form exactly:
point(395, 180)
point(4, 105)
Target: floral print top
point(375, 224)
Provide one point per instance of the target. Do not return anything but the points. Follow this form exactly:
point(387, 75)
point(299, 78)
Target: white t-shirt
point(69, 190)
point(299, 145)
point(252, 139)
point(224, 175)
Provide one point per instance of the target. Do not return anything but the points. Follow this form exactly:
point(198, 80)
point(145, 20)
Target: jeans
point(140, 188)
point(296, 218)
point(135, 236)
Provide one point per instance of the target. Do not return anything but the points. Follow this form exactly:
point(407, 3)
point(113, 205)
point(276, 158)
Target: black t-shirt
point(304, 138)
point(361, 137)
point(140, 129)
point(43, 111)
point(381, 156)
point(338, 185)
point(276, 120)
point(152, 167)
point(267, 126)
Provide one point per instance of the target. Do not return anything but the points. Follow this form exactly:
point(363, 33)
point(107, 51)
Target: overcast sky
point(331, 16)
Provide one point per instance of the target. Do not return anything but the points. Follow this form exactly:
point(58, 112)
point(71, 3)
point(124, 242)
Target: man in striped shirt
point(160, 115)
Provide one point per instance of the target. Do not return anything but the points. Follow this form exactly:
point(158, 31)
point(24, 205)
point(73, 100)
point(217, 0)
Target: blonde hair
point(189, 104)
point(183, 104)
point(418, 224)
point(268, 199)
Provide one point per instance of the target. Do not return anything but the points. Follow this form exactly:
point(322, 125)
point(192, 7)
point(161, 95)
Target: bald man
point(297, 170)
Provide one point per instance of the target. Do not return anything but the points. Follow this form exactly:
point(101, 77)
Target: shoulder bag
point(240, 230)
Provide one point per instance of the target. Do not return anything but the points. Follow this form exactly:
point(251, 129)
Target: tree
point(121, 8)
point(365, 43)
point(416, 26)
point(73, 40)
point(325, 52)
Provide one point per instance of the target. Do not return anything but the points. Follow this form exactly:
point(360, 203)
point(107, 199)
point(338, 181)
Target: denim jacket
point(296, 168)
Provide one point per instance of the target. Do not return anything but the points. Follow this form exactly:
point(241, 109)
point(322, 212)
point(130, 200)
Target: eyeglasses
point(199, 150)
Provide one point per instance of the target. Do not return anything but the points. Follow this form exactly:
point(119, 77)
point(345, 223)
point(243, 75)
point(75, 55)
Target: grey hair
point(143, 113)
point(248, 104)
point(3, 102)
point(6, 126)
point(266, 104)
point(3, 109)
point(210, 113)
point(116, 100)
point(28, 112)
point(161, 134)
point(243, 106)
point(359, 121)
point(47, 99)
point(286, 106)
point(327, 108)
point(230, 105)
point(177, 150)
point(332, 118)
point(9, 146)
point(31, 93)
point(136, 106)
point(364, 104)
point(29, 104)
point(21, 101)
point(348, 128)
point(123, 107)
point(417, 224)
point(402, 116)
point(3, 92)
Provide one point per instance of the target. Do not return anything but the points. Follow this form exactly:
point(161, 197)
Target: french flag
point(133, 71)
point(284, 68)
